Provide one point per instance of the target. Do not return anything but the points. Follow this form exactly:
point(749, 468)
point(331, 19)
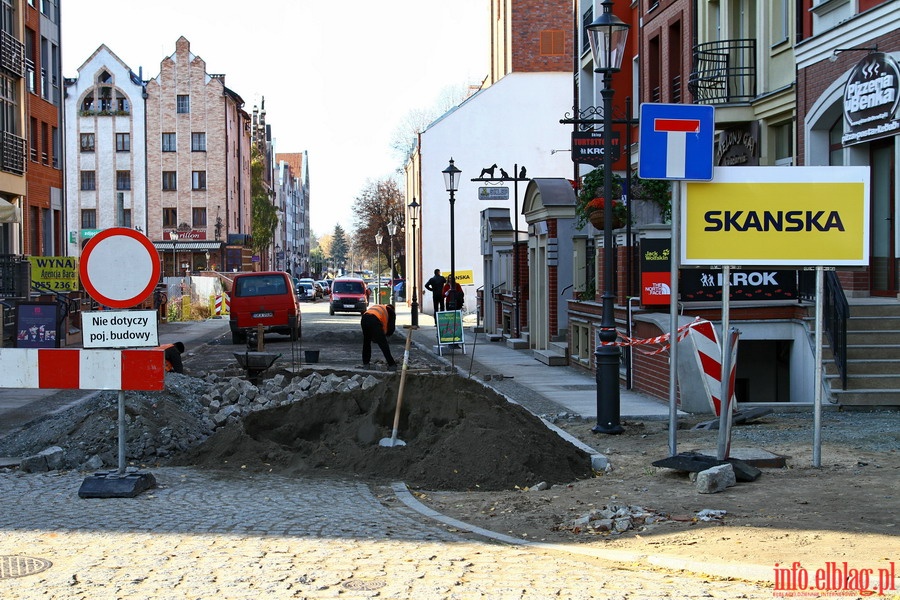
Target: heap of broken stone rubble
point(159, 424)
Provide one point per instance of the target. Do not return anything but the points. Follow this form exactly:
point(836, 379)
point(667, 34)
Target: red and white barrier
point(709, 357)
point(222, 306)
point(73, 368)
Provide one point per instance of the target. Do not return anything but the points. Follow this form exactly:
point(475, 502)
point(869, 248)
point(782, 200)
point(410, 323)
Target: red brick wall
point(39, 177)
point(656, 24)
point(553, 285)
point(530, 19)
point(522, 250)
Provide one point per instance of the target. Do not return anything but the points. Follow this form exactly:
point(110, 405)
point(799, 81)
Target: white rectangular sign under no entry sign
point(120, 329)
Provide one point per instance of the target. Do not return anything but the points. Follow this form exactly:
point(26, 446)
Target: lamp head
point(392, 228)
point(451, 177)
point(378, 238)
point(607, 35)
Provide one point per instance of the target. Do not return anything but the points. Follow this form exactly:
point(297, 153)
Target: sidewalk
point(553, 389)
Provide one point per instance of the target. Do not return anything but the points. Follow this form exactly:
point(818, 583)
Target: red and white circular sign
point(119, 267)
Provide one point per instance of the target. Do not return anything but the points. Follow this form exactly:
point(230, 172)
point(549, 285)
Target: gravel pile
point(166, 423)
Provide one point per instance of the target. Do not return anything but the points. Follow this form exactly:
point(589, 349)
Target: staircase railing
point(836, 312)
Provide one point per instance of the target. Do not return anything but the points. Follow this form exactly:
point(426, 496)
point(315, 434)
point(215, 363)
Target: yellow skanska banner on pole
point(777, 216)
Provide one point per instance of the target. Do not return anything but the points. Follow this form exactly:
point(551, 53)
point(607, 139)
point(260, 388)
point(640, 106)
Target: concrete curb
point(752, 573)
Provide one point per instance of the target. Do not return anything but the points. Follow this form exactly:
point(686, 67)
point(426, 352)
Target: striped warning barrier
point(709, 357)
point(662, 340)
point(81, 369)
point(222, 305)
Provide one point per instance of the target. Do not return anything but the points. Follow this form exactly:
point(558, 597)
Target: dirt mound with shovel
point(459, 435)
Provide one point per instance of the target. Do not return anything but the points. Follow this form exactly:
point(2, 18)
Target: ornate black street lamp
point(174, 237)
point(378, 238)
point(414, 306)
point(451, 183)
point(392, 231)
point(607, 35)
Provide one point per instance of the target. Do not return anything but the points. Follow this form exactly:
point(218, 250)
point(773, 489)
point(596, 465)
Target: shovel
point(393, 441)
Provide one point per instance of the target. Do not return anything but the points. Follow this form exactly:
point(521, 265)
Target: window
point(123, 180)
point(198, 142)
point(169, 180)
point(88, 104)
point(123, 142)
point(198, 216)
point(198, 180)
point(34, 139)
point(183, 103)
point(553, 42)
point(835, 146)
point(168, 142)
point(88, 180)
point(783, 135)
point(126, 217)
point(170, 217)
point(88, 218)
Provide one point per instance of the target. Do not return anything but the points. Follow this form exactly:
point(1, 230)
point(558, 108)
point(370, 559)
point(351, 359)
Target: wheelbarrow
point(256, 363)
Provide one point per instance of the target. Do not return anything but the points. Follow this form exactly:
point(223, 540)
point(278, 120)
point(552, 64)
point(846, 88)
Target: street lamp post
point(414, 306)
point(174, 237)
point(451, 183)
point(392, 231)
point(607, 36)
point(378, 238)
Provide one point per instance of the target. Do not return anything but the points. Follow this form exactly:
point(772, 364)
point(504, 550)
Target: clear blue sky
point(337, 76)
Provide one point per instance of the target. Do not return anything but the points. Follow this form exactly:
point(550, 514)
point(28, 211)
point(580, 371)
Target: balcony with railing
point(12, 153)
point(12, 54)
point(724, 72)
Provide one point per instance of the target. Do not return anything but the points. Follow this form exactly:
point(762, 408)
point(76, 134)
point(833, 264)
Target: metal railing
point(836, 312)
point(724, 72)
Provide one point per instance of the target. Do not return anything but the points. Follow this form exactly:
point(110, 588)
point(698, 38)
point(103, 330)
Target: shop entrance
point(883, 255)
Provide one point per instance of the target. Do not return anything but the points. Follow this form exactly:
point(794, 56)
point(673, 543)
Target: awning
point(9, 212)
point(188, 245)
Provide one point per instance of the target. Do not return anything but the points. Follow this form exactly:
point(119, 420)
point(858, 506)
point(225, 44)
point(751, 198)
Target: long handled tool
point(393, 441)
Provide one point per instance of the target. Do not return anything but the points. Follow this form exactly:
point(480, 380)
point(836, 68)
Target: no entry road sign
point(119, 267)
point(676, 141)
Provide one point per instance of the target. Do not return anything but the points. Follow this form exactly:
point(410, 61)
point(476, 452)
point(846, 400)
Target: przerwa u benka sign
point(777, 216)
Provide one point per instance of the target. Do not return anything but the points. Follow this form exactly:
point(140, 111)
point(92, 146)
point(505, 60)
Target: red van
point(265, 298)
point(349, 294)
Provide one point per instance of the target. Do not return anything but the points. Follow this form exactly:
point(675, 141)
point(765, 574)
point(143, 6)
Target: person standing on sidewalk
point(453, 295)
point(435, 285)
point(377, 323)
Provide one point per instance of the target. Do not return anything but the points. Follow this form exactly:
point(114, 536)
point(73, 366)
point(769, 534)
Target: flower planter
point(597, 220)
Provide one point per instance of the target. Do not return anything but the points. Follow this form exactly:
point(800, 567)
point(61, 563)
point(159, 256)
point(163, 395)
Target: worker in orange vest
point(377, 323)
point(173, 354)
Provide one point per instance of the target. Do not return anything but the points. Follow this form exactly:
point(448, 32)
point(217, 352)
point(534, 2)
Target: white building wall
point(514, 121)
point(104, 160)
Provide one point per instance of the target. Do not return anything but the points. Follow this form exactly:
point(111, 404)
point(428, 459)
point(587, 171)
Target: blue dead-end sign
point(676, 141)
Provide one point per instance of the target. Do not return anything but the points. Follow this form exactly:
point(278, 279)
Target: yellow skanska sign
point(464, 277)
point(790, 216)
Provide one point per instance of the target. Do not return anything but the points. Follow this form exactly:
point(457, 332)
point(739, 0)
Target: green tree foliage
point(263, 211)
point(339, 247)
point(381, 202)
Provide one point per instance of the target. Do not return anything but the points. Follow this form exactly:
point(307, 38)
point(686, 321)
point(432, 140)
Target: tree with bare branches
point(380, 203)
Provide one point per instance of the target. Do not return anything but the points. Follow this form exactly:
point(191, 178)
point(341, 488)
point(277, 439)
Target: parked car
point(264, 298)
point(306, 291)
point(325, 285)
point(349, 294)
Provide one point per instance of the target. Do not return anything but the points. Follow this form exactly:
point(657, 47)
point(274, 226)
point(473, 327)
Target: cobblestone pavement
point(212, 535)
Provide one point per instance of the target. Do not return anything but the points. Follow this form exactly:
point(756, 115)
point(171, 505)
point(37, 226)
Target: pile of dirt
point(459, 435)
